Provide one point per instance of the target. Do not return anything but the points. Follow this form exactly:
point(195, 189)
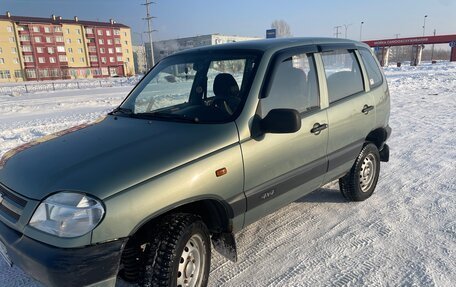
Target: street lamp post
point(424, 25)
point(361, 31)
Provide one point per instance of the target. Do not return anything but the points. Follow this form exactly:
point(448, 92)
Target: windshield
point(194, 87)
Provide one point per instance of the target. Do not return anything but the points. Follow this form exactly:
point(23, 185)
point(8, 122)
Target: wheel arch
point(378, 137)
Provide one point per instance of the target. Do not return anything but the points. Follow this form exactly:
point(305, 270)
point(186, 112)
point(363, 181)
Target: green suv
point(210, 140)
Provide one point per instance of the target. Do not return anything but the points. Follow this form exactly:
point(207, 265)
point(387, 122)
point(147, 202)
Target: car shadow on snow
point(323, 195)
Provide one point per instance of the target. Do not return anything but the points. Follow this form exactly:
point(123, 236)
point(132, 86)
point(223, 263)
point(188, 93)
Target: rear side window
point(373, 71)
point(343, 74)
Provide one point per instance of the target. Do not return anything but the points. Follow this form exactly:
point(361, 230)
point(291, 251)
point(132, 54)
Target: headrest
point(225, 86)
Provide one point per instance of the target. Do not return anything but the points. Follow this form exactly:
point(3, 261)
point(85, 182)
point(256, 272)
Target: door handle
point(366, 109)
point(317, 128)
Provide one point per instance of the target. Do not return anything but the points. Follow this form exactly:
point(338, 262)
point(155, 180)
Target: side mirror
point(281, 121)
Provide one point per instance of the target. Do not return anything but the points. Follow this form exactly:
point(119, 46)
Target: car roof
point(264, 45)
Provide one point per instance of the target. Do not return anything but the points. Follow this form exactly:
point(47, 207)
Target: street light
point(361, 31)
point(424, 25)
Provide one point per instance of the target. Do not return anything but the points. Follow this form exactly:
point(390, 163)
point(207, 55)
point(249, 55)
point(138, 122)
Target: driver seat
point(226, 91)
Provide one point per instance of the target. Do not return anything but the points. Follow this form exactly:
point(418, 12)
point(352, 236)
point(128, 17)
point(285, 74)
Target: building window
point(126, 42)
point(82, 60)
point(109, 42)
point(22, 28)
point(103, 60)
point(16, 60)
point(28, 59)
point(41, 60)
point(35, 29)
point(61, 49)
point(31, 74)
point(68, 31)
point(70, 50)
point(118, 50)
point(14, 50)
point(80, 50)
point(128, 51)
point(119, 58)
point(117, 40)
point(93, 59)
point(68, 41)
point(48, 40)
point(63, 58)
point(108, 33)
point(47, 30)
point(102, 50)
point(89, 30)
point(2, 61)
point(50, 50)
point(59, 39)
point(100, 32)
point(72, 60)
point(17, 73)
point(92, 49)
point(128, 60)
point(78, 31)
point(22, 38)
point(111, 59)
point(9, 28)
point(26, 48)
point(51, 60)
point(80, 41)
point(57, 29)
point(116, 32)
point(39, 49)
point(111, 51)
point(11, 39)
point(125, 34)
point(100, 41)
point(1, 50)
point(38, 39)
point(5, 74)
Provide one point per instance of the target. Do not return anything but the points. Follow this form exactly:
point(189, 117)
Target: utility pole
point(337, 33)
point(149, 31)
point(346, 29)
point(424, 24)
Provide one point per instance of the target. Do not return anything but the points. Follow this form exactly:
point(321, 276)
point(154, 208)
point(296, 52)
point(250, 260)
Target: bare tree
point(282, 28)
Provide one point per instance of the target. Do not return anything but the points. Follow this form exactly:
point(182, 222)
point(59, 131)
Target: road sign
point(270, 33)
point(453, 44)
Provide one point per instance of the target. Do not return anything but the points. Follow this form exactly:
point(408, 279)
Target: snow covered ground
point(404, 235)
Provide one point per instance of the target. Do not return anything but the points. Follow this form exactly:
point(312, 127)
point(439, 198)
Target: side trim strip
point(344, 155)
point(282, 184)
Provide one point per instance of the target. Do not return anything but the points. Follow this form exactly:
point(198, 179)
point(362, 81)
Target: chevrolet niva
point(209, 141)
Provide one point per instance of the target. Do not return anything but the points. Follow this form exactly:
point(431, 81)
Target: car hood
point(109, 156)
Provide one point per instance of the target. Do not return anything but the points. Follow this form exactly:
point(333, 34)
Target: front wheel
point(178, 254)
point(360, 182)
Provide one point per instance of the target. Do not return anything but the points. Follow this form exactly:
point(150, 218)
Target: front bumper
point(94, 265)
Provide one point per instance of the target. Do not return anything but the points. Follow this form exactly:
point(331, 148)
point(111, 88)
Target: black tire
point(360, 182)
point(175, 237)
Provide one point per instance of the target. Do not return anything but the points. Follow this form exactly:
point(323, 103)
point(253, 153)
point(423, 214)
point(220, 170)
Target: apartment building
point(33, 48)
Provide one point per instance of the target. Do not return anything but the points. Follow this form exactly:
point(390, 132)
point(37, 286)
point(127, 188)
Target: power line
point(337, 33)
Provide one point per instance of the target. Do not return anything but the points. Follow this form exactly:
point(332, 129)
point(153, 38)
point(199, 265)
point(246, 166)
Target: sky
point(183, 18)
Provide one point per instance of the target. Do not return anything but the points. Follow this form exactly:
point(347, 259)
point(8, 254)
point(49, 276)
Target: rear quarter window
point(372, 68)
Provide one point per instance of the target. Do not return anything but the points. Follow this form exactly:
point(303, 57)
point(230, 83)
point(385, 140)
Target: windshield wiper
point(120, 110)
point(162, 115)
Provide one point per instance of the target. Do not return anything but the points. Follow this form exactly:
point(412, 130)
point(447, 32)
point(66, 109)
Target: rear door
point(280, 168)
point(351, 112)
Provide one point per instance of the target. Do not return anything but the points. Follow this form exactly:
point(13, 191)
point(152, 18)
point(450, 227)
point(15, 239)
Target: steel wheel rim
point(191, 263)
point(367, 173)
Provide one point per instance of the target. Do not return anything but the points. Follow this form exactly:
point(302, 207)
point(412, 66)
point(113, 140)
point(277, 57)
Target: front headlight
point(68, 214)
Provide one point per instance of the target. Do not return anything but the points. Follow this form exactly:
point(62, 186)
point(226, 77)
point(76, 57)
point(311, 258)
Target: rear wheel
point(178, 253)
point(360, 182)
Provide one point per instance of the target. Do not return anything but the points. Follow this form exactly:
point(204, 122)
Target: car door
point(280, 168)
point(351, 112)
